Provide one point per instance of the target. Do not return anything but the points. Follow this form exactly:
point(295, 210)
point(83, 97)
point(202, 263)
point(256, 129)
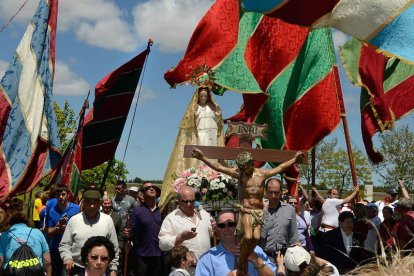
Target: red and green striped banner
point(387, 89)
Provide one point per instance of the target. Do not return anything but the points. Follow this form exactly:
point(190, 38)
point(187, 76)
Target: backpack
point(24, 261)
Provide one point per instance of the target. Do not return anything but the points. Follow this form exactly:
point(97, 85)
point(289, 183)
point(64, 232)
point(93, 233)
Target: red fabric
point(116, 89)
point(267, 55)
point(404, 230)
point(385, 106)
point(214, 37)
point(304, 12)
point(304, 116)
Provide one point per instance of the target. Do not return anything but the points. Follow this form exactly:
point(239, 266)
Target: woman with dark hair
point(96, 254)
point(180, 260)
point(19, 230)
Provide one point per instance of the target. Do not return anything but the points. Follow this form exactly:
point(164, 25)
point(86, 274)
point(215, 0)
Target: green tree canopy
point(66, 123)
point(332, 168)
point(397, 147)
point(95, 175)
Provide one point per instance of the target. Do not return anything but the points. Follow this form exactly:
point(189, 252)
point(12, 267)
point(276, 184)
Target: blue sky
point(97, 36)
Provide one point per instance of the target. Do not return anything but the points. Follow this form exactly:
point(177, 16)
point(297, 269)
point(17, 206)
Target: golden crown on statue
point(203, 76)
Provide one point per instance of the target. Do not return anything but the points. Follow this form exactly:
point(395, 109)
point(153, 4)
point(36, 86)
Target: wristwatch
point(261, 264)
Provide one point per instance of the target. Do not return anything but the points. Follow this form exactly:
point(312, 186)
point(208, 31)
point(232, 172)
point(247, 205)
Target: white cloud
point(10, 7)
point(68, 83)
point(146, 95)
point(169, 22)
point(3, 67)
point(98, 23)
point(339, 38)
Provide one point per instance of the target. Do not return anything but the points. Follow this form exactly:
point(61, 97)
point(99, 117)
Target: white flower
point(194, 182)
point(222, 185)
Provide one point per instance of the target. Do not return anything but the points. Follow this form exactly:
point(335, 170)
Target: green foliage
point(321, 150)
point(95, 175)
point(397, 147)
point(332, 167)
point(66, 123)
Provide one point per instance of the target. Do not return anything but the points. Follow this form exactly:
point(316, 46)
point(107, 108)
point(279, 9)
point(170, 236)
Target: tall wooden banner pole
point(313, 169)
point(350, 156)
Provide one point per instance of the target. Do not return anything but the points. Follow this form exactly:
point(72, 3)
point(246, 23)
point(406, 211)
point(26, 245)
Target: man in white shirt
point(186, 226)
point(331, 209)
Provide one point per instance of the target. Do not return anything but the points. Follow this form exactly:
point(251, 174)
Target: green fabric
point(233, 73)
point(396, 72)
point(349, 54)
point(308, 69)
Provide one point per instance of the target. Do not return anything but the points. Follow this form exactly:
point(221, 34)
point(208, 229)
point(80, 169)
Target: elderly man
point(220, 260)
point(331, 209)
point(280, 227)
point(91, 222)
point(186, 225)
point(116, 219)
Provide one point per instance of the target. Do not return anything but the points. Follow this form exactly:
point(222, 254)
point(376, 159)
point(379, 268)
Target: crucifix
point(251, 179)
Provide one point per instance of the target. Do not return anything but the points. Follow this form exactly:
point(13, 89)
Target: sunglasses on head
point(147, 188)
point(188, 201)
point(227, 224)
point(96, 257)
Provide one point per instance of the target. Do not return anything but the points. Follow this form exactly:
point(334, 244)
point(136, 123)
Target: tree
point(397, 147)
point(66, 123)
point(332, 167)
point(336, 170)
point(95, 175)
point(322, 149)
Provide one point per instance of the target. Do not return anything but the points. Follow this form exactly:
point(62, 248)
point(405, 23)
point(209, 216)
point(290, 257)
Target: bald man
point(186, 226)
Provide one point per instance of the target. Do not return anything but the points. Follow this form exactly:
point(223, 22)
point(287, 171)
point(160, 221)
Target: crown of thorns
point(243, 159)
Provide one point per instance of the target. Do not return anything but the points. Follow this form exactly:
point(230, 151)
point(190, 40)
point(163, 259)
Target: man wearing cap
point(220, 260)
point(133, 192)
point(391, 198)
point(90, 222)
point(404, 229)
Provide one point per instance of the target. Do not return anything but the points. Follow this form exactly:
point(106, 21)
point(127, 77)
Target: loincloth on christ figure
point(255, 218)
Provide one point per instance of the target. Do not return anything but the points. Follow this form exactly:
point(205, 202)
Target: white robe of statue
point(206, 121)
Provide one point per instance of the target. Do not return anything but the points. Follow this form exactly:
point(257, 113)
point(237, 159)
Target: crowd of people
point(126, 233)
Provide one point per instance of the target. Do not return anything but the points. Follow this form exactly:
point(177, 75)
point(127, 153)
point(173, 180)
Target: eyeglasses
point(227, 224)
point(147, 188)
point(293, 203)
point(96, 257)
point(188, 201)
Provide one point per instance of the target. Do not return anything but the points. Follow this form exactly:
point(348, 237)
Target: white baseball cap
point(133, 189)
point(295, 256)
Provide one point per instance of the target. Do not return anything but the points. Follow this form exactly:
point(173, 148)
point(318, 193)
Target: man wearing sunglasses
point(221, 260)
point(145, 257)
point(186, 226)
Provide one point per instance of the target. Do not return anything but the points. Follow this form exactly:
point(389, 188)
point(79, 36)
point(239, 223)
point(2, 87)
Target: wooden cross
point(247, 133)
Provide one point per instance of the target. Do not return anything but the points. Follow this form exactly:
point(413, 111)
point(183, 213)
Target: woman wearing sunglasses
point(96, 254)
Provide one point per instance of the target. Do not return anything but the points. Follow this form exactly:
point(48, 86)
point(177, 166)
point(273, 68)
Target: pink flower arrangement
point(212, 185)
